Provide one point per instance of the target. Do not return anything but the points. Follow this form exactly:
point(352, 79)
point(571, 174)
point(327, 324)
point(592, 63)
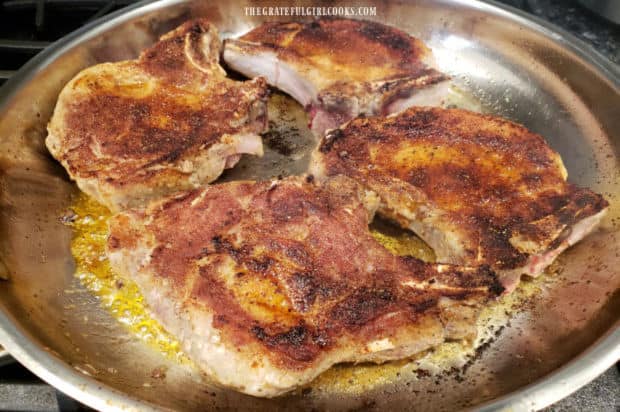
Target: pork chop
point(478, 189)
point(135, 130)
point(266, 285)
point(340, 68)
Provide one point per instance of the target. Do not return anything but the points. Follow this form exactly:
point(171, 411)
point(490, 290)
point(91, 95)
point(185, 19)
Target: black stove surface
point(28, 26)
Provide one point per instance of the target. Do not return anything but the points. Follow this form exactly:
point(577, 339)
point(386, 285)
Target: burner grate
point(20, 390)
point(28, 26)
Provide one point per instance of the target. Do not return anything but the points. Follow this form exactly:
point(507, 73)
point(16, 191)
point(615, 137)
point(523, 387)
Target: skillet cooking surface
point(511, 66)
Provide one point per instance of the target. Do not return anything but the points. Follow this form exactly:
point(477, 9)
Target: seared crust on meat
point(479, 189)
point(268, 284)
point(353, 50)
point(170, 120)
point(342, 67)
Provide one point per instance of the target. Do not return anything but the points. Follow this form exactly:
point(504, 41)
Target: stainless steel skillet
point(515, 67)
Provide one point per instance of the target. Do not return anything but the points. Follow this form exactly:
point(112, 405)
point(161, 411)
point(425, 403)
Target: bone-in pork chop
point(340, 68)
point(135, 130)
point(478, 189)
point(266, 285)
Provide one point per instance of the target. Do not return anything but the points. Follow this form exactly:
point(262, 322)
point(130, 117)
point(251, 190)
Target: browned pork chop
point(266, 285)
point(340, 68)
point(478, 189)
point(135, 130)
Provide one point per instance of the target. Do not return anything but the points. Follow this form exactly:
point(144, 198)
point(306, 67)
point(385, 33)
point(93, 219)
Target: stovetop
point(28, 26)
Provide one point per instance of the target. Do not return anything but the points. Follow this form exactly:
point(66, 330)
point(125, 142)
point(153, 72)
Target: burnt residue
point(167, 124)
point(493, 179)
point(306, 287)
point(362, 306)
point(295, 336)
point(298, 342)
point(283, 141)
point(259, 265)
point(304, 244)
point(331, 137)
point(388, 36)
point(479, 352)
point(497, 246)
point(392, 52)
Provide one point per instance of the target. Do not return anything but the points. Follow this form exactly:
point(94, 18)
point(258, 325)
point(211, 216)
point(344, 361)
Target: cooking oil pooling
point(400, 242)
point(122, 298)
point(447, 357)
point(119, 296)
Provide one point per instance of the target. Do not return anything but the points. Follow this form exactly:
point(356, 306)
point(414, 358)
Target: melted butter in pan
point(449, 357)
point(119, 296)
point(124, 302)
point(400, 242)
point(122, 298)
point(287, 152)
